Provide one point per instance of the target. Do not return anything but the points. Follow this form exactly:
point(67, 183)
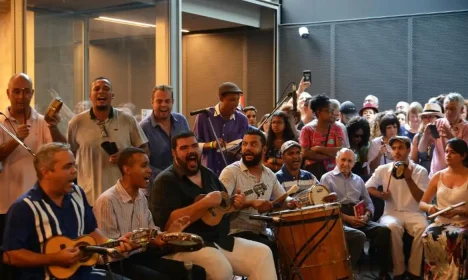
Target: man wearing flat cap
point(402, 193)
point(229, 126)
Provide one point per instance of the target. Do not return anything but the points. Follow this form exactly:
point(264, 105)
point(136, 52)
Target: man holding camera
point(402, 193)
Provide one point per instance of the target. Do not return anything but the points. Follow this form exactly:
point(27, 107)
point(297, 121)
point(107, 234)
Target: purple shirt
point(230, 130)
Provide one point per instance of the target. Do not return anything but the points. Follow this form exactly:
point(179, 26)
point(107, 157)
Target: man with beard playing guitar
point(172, 196)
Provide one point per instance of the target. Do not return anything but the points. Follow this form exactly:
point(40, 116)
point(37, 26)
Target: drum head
point(318, 193)
point(399, 170)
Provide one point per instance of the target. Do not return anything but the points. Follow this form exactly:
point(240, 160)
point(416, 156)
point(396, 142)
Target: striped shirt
point(237, 176)
point(34, 218)
point(117, 213)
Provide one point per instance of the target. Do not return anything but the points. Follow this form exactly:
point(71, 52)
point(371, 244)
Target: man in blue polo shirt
point(291, 174)
point(54, 206)
point(160, 126)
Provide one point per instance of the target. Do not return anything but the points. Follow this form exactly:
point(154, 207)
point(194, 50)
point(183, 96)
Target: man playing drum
point(172, 196)
point(350, 190)
point(123, 208)
point(243, 175)
point(291, 174)
point(402, 196)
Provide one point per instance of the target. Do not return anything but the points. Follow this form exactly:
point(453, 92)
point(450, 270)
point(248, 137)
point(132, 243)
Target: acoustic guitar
point(89, 249)
point(214, 215)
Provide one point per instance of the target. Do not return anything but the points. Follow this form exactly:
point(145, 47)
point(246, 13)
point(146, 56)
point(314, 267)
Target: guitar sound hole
point(84, 256)
point(224, 204)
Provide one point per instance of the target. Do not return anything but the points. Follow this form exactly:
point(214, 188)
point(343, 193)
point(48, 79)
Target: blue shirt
point(159, 143)
point(304, 181)
point(34, 218)
point(228, 130)
point(348, 190)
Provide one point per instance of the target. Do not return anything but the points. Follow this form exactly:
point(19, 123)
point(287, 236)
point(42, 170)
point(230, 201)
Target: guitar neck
point(111, 244)
point(251, 191)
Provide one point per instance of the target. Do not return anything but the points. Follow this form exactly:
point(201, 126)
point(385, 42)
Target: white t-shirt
point(18, 174)
point(401, 199)
point(95, 172)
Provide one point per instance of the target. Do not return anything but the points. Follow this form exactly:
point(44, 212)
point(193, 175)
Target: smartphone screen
point(307, 75)
point(434, 131)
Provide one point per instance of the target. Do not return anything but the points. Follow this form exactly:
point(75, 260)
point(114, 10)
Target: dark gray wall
point(409, 58)
point(297, 11)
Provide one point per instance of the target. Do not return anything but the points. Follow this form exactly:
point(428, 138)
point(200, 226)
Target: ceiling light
point(185, 31)
point(127, 22)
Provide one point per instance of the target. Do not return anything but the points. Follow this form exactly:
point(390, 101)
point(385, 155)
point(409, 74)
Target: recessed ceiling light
point(127, 22)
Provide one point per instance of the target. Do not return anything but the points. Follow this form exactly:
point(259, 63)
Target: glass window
point(78, 41)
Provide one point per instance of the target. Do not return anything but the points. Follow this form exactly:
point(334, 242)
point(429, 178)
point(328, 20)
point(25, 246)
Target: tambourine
point(398, 170)
point(54, 107)
point(313, 196)
point(182, 241)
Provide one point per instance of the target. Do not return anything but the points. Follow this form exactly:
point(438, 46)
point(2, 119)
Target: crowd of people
point(110, 175)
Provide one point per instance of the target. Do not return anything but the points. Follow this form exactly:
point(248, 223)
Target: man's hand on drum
point(238, 199)
point(354, 221)
point(293, 203)
point(262, 205)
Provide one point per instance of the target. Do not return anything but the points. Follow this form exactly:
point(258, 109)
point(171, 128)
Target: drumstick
point(446, 209)
point(293, 189)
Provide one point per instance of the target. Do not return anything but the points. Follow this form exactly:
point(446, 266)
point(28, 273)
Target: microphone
point(196, 112)
point(99, 250)
point(294, 97)
point(265, 218)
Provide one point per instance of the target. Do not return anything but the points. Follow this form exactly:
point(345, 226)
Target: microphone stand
point(216, 137)
point(21, 143)
point(278, 106)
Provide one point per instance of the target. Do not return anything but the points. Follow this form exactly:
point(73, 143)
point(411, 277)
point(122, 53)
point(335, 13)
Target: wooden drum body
point(311, 243)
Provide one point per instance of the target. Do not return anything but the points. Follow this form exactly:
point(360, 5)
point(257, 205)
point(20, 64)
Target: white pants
point(248, 258)
point(415, 224)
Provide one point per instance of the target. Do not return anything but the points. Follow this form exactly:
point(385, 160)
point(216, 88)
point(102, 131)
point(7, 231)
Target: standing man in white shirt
point(87, 131)
point(31, 128)
point(401, 210)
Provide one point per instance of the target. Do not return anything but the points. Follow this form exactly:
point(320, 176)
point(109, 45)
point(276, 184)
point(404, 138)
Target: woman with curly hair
point(374, 125)
point(280, 131)
point(359, 140)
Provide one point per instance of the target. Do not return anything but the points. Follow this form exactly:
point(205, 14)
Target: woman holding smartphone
point(431, 112)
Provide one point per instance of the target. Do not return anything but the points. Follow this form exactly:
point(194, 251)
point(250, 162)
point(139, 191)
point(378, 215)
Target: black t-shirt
point(172, 190)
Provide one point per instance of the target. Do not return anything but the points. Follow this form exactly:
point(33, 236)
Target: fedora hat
point(432, 109)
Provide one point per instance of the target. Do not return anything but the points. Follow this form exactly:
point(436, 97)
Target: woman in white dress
point(445, 240)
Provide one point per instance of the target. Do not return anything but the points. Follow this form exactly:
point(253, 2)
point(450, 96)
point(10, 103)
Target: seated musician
point(244, 175)
point(124, 208)
point(350, 190)
point(54, 206)
point(401, 210)
point(446, 239)
point(173, 196)
point(291, 174)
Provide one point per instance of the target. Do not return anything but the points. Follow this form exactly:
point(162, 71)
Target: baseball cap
point(229, 87)
point(402, 139)
point(289, 144)
point(348, 108)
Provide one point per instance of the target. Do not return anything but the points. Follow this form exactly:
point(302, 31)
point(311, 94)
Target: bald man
point(31, 128)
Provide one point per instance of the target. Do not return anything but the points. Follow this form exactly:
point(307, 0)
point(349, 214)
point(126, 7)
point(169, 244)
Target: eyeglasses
point(22, 90)
point(103, 129)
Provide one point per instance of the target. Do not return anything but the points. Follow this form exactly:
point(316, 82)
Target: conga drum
point(312, 244)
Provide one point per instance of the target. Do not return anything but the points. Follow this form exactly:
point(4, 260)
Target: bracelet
point(211, 145)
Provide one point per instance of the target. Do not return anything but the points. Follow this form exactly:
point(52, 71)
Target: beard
point(183, 164)
point(102, 107)
point(257, 158)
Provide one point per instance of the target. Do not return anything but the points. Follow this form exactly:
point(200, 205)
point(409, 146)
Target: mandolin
point(214, 215)
point(89, 249)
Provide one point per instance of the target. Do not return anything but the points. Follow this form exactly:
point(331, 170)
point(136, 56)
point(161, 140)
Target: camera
point(304, 32)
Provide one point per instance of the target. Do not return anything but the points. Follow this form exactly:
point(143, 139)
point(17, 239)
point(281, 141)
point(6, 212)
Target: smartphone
point(307, 76)
point(434, 131)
